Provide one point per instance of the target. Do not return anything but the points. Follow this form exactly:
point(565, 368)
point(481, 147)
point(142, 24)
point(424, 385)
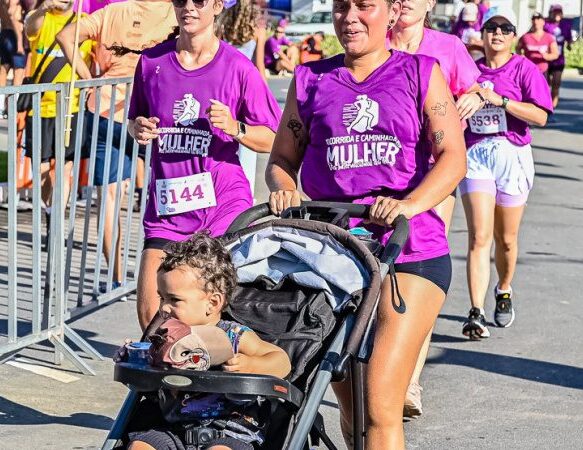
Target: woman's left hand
point(220, 117)
point(468, 104)
point(386, 209)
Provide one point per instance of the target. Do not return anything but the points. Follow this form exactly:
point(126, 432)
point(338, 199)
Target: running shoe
point(413, 407)
point(504, 312)
point(476, 327)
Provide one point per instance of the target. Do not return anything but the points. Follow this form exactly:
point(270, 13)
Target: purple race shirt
point(367, 139)
point(458, 67)
point(519, 79)
point(272, 48)
point(188, 145)
point(562, 33)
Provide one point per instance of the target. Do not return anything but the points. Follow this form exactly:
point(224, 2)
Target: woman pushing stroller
point(383, 161)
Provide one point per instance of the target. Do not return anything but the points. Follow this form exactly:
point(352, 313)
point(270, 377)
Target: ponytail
point(120, 50)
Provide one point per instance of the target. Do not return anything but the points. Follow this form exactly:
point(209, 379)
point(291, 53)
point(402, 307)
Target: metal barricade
point(75, 279)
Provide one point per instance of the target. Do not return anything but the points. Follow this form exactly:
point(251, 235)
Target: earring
point(391, 24)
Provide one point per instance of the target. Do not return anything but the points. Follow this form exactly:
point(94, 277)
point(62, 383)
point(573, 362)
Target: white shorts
point(511, 167)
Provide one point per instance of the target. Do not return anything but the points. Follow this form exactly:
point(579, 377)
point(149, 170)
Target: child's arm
point(260, 357)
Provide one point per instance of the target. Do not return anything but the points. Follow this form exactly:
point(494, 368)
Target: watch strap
point(240, 133)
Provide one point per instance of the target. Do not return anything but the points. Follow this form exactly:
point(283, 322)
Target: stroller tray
point(141, 378)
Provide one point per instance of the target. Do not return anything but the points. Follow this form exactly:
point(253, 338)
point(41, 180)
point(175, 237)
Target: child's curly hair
point(209, 257)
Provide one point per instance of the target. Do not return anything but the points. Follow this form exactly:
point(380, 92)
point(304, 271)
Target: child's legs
point(139, 445)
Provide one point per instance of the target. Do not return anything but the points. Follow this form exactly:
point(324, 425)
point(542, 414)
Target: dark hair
point(427, 21)
point(209, 257)
point(120, 50)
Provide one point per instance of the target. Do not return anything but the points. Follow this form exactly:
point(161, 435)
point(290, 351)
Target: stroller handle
point(262, 210)
point(397, 240)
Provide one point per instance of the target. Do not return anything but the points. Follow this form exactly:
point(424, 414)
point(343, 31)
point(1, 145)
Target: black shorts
point(437, 270)
point(553, 69)
point(162, 439)
point(47, 138)
point(156, 243)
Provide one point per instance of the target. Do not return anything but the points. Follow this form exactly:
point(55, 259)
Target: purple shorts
point(468, 185)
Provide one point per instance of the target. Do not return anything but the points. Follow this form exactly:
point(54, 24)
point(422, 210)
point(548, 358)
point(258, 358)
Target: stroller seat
point(318, 316)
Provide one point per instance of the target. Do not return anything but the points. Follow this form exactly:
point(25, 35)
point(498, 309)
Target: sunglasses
point(198, 4)
point(506, 28)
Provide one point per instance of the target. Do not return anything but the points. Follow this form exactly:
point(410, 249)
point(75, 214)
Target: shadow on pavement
point(558, 177)
point(445, 339)
point(460, 319)
point(512, 366)
point(558, 150)
point(15, 414)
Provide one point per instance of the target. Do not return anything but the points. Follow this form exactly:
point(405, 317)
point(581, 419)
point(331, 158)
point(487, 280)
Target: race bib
point(184, 194)
point(489, 121)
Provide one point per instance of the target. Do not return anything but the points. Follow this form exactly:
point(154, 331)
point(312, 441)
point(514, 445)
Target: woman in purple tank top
point(357, 125)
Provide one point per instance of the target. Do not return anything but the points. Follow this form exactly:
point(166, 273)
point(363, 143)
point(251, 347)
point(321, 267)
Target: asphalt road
point(520, 389)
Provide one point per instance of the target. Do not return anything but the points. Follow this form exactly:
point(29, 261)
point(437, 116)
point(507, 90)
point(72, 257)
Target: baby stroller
point(311, 287)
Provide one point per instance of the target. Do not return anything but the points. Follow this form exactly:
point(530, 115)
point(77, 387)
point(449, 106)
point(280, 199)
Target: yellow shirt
point(39, 44)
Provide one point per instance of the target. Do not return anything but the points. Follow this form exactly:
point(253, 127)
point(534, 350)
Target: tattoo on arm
point(437, 137)
point(439, 109)
point(296, 127)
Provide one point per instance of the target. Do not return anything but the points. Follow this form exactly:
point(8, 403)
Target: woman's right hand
point(145, 129)
point(280, 200)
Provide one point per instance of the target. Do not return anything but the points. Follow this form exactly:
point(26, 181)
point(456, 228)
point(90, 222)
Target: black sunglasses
point(198, 4)
point(506, 28)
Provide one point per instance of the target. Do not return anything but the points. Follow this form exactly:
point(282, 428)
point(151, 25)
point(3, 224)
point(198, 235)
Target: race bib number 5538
point(489, 121)
point(184, 194)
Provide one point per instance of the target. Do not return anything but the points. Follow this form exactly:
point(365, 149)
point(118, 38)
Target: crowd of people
point(450, 115)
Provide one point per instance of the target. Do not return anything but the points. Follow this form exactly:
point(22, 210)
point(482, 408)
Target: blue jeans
point(99, 172)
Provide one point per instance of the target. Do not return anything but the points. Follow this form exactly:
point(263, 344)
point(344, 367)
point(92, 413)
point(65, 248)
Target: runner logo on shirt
point(361, 115)
point(186, 111)
point(185, 137)
point(363, 148)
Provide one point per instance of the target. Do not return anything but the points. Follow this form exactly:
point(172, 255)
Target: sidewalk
point(520, 389)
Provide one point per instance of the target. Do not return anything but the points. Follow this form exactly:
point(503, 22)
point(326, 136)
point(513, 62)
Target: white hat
point(500, 11)
point(470, 12)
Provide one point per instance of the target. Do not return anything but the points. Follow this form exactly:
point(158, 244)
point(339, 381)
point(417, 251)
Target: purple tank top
point(367, 139)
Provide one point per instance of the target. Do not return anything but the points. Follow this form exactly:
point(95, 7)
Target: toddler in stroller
point(195, 281)
point(304, 283)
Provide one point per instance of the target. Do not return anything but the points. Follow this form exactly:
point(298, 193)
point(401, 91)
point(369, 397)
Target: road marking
point(26, 364)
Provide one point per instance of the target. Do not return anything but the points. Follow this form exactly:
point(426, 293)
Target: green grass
point(3, 167)
point(331, 46)
point(574, 57)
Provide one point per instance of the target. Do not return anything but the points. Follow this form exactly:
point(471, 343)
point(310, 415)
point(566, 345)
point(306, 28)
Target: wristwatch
point(505, 101)
point(242, 131)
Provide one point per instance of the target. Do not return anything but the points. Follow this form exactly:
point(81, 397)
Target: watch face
point(242, 128)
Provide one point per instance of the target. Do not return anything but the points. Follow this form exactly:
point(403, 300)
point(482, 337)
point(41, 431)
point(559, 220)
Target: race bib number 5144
point(489, 121)
point(184, 194)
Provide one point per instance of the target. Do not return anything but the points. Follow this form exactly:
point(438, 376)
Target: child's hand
point(240, 363)
point(121, 353)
